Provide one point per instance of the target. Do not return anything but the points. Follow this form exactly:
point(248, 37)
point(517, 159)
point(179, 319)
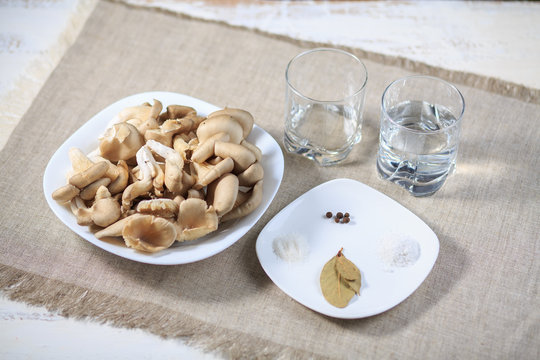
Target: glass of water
point(323, 105)
point(419, 136)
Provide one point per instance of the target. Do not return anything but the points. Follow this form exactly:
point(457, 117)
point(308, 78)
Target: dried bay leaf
point(334, 288)
point(354, 285)
point(346, 268)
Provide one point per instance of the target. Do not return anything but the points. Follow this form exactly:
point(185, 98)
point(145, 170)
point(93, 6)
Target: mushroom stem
point(206, 149)
point(121, 181)
point(141, 186)
point(88, 176)
point(207, 173)
point(115, 229)
point(247, 207)
point(174, 165)
point(222, 193)
point(65, 193)
point(242, 157)
point(251, 175)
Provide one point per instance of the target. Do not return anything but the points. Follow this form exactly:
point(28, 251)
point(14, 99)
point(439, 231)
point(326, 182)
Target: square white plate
point(86, 138)
point(375, 220)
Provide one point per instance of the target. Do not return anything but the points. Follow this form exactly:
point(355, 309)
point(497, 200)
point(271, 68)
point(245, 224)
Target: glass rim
point(307, 52)
point(450, 85)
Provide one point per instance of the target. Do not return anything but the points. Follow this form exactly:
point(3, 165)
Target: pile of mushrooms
point(160, 177)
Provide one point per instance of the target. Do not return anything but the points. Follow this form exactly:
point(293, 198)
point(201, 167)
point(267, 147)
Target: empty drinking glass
point(419, 136)
point(324, 103)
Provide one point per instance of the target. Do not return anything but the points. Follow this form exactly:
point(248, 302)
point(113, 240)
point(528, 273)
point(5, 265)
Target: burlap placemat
point(480, 301)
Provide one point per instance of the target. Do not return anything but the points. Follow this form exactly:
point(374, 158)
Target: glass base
point(320, 157)
point(406, 177)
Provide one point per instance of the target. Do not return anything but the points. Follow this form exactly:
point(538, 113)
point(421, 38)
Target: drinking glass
point(419, 137)
point(323, 105)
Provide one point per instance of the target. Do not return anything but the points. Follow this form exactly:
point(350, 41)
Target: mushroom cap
point(242, 157)
point(254, 200)
point(106, 210)
point(195, 219)
point(179, 111)
point(220, 124)
point(163, 207)
point(79, 161)
point(244, 118)
point(205, 149)
point(115, 229)
point(222, 193)
point(251, 175)
point(120, 142)
point(140, 112)
point(148, 233)
point(207, 173)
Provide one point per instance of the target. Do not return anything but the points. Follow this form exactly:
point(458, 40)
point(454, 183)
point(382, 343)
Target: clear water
point(421, 153)
point(322, 132)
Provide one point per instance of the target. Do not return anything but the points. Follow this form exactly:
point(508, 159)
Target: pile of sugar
point(290, 247)
point(398, 251)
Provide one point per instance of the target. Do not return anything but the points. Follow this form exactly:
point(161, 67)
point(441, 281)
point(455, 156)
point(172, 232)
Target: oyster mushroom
point(142, 186)
point(253, 148)
point(104, 212)
point(195, 220)
point(242, 157)
point(88, 176)
point(244, 118)
point(179, 111)
point(174, 165)
point(138, 113)
point(220, 124)
point(248, 206)
point(205, 150)
point(152, 120)
point(148, 233)
point(115, 229)
point(166, 208)
point(113, 172)
point(89, 192)
point(120, 142)
point(197, 194)
point(251, 175)
point(165, 133)
point(206, 173)
point(65, 193)
point(120, 183)
point(222, 193)
point(79, 161)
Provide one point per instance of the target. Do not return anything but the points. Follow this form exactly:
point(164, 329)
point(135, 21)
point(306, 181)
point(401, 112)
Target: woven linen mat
point(480, 300)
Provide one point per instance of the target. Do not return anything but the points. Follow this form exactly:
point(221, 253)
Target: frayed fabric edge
point(75, 302)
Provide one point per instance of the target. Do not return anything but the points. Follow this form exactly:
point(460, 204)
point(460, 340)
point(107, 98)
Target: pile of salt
point(397, 252)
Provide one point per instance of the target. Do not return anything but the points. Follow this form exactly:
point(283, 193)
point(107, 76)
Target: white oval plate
point(374, 218)
point(86, 138)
